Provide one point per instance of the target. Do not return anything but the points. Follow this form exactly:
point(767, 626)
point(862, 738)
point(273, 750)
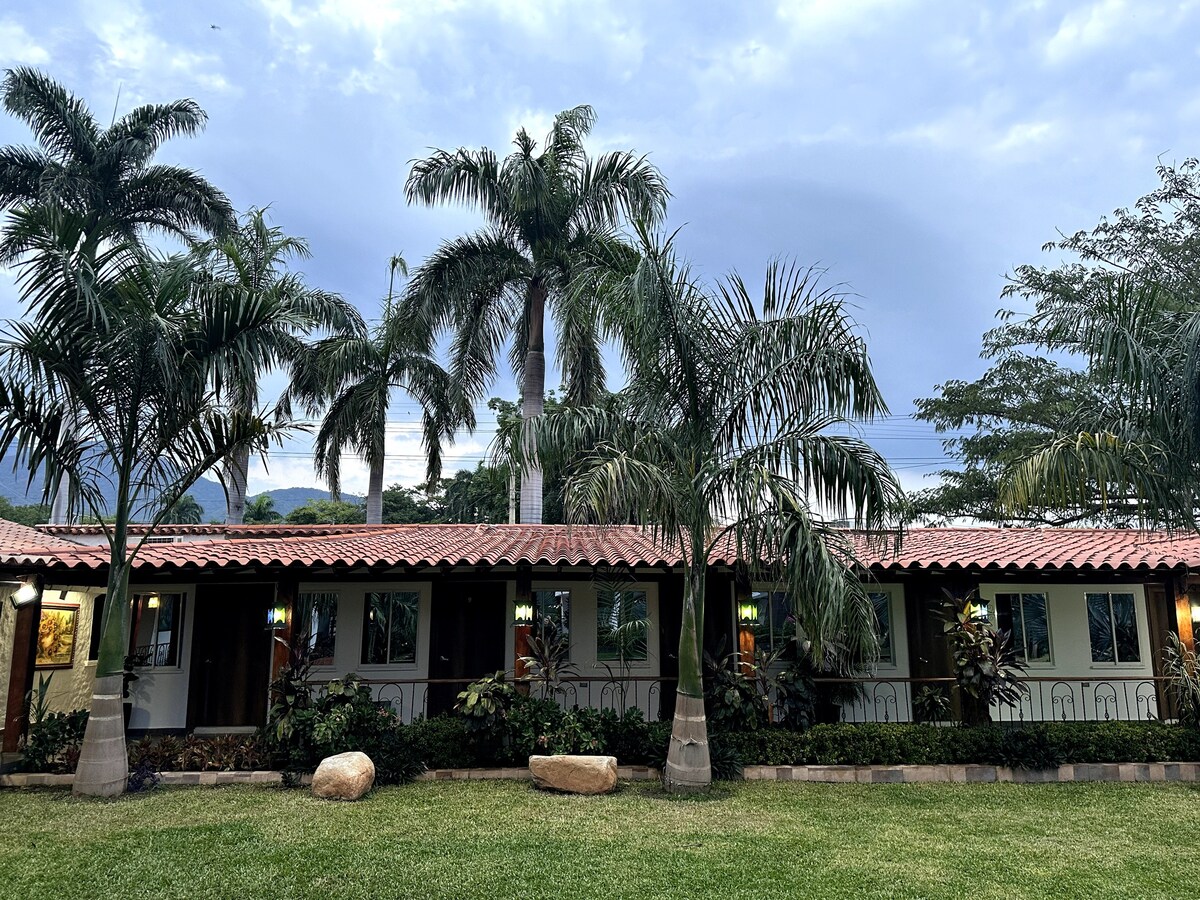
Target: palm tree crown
point(551, 215)
point(251, 262)
point(103, 176)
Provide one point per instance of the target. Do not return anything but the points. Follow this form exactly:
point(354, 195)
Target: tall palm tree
point(550, 216)
point(104, 177)
point(251, 262)
point(721, 442)
point(349, 380)
point(111, 382)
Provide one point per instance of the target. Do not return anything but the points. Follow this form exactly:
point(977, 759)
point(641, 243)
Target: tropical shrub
point(986, 666)
point(53, 743)
point(1179, 665)
point(485, 704)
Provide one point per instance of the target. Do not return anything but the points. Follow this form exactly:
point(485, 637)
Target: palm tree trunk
point(533, 402)
point(375, 494)
point(239, 469)
point(103, 769)
point(689, 768)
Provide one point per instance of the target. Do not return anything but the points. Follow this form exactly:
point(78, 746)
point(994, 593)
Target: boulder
point(346, 776)
point(574, 774)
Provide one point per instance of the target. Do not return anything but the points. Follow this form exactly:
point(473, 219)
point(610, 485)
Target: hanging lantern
point(277, 617)
point(748, 613)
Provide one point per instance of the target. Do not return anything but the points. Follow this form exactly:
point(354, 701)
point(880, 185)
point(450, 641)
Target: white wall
point(1071, 686)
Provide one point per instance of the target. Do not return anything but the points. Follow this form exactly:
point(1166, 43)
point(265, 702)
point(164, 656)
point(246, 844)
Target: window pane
point(317, 615)
point(404, 627)
point(166, 643)
point(1008, 618)
point(375, 628)
point(1125, 626)
point(1100, 628)
point(97, 622)
point(1036, 626)
point(782, 626)
point(883, 619)
point(621, 626)
point(762, 625)
point(552, 609)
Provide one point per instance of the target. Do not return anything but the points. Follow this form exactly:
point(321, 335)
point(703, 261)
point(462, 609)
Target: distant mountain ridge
point(207, 491)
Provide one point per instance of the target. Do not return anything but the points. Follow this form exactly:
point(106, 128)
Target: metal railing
point(411, 697)
point(854, 700)
point(1109, 699)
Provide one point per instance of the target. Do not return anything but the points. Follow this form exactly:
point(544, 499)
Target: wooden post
point(521, 632)
point(20, 674)
point(1183, 614)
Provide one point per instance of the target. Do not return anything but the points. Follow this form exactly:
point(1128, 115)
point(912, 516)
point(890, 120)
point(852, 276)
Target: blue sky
point(918, 150)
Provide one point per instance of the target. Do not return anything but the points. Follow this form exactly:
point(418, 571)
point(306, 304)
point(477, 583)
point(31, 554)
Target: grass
point(504, 839)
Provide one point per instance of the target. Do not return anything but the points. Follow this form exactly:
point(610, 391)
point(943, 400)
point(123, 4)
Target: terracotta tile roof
point(15, 538)
point(1037, 548)
point(483, 545)
point(230, 531)
point(397, 545)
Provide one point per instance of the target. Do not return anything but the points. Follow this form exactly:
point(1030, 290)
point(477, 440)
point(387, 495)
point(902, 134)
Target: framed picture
point(56, 637)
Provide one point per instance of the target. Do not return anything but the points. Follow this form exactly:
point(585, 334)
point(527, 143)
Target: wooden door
point(231, 656)
point(468, 637)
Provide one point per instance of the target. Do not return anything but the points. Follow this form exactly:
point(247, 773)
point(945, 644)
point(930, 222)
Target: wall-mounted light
point(277, 617)
point(977, 611)
point(25, 592)
point(748, 613)
point(523, 614)
point(152, 601)
point(1196, 613)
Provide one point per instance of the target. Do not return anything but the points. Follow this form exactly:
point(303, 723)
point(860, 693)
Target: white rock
point(574, 774)
point(346, 776)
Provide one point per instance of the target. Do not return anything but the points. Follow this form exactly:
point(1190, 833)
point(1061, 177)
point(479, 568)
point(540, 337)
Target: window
point(390, 628)
point(775, 624)
point(318, 621)
point(882, 602)
point(97, 622)
point(158, 619)
point(1112, 628)
point(552, 610)
point(621, 626)
point(1023, 617)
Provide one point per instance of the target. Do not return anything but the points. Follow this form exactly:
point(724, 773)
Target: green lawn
point(504, 839)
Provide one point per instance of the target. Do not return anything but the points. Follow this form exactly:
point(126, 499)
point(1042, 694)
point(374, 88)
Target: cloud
point(18, 46)
point(1109, 23)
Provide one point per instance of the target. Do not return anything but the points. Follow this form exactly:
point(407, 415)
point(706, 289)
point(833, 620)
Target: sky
point(918, 151)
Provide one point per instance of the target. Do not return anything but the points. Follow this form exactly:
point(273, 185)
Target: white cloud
point(18, 46)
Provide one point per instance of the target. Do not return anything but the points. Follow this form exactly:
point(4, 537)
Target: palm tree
point(721, 442)
point(251, 262)
point(261, 511)
point(112, 382)
point(550, 216)
point(104, 177)
point(1140, 455)
point(349, 378)
point(186, 511)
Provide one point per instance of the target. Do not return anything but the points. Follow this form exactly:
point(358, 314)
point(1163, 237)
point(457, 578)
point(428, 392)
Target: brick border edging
point(1114, 772)
point(1127, 772)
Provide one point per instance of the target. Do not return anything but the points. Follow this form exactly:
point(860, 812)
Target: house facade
point(418, 611)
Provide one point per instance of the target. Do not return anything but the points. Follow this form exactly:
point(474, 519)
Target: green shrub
point(441, 743)
point(53, 743)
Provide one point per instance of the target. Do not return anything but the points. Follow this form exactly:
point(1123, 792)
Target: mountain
point(207, 491)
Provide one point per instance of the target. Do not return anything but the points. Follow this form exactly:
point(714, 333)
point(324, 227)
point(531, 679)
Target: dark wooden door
point(231, 656)
point(468, 636)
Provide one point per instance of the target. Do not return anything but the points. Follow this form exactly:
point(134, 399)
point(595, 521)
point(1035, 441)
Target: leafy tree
point(408, 506)
point(185, 511)
point(261, 511)
point(1098, 412)
point(551, 216)
point(104, 178)
point(327, 512)
point(476, 495)
point(116, 370)
point(349, 378)
point(27, 514)
point(251, 261)
point(721, 440)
